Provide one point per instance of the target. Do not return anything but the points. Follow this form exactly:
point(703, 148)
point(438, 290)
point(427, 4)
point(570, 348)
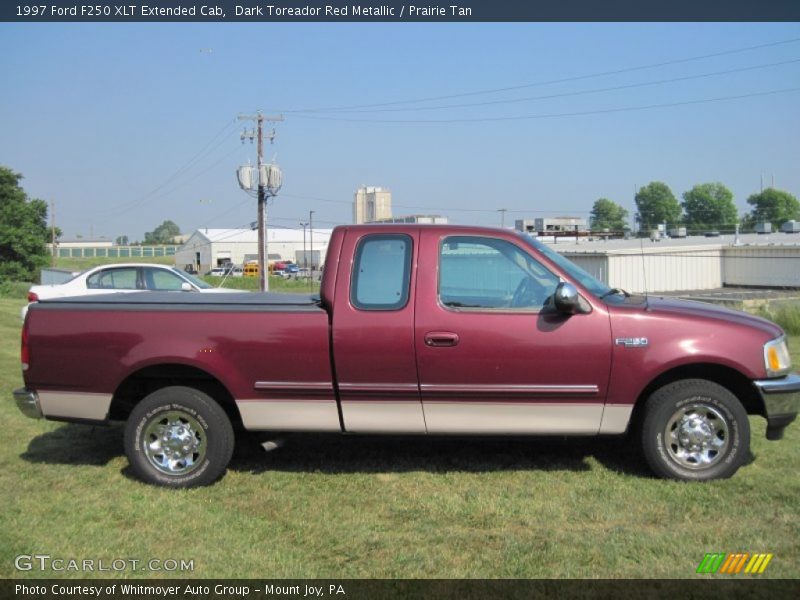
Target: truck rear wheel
point(178, 437)
point(695, 430)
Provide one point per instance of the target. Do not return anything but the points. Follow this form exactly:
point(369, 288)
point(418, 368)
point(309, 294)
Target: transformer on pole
point(269, 182)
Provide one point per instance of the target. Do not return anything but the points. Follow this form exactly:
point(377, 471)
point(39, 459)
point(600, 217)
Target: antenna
point(644, 273)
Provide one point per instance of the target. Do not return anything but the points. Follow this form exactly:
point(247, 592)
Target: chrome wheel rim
point(697, 436)
point(174, 443)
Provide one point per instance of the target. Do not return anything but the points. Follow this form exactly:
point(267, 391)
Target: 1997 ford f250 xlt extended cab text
point(417, 330)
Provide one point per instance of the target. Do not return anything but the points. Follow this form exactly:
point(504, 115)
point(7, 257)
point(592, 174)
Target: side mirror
point(186, 286)
point(566, 299)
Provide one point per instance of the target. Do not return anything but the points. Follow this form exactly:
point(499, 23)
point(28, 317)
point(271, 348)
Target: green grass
point(351, 507)
point(785, 314)
point(276, 284)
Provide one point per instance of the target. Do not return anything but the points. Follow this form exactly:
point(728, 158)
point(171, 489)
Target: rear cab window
point(381, 272)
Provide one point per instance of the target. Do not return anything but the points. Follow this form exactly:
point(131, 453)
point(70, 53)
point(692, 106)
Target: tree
point(774, 206)
point(656, 204)
point(162, 234)
point(122, 240)
point(23, 230)
point(709, 206)
point(607, 214)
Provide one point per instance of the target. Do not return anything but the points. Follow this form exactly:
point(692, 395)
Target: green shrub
point(14, 289)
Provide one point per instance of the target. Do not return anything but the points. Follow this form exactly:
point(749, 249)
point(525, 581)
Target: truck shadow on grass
point(336, 454)
point(76, 445)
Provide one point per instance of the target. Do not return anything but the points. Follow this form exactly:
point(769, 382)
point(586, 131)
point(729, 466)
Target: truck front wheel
point(695, 430)
point(178, 437)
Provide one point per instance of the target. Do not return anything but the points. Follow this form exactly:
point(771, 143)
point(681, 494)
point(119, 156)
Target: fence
point(117, 252)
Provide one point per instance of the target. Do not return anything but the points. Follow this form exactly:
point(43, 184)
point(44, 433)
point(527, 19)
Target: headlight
point(776, 357)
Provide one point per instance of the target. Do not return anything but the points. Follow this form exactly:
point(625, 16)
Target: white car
point(129, 277)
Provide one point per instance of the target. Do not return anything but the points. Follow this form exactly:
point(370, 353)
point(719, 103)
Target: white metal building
point(693, 263)
point(208, 248)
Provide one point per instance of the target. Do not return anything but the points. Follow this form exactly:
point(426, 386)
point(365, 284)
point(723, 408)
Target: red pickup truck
point(417, 330)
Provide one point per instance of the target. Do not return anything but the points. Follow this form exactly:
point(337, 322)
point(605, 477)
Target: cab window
point(491, 274)
point(381, 272)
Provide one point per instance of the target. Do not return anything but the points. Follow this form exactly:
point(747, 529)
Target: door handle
point(438, 339)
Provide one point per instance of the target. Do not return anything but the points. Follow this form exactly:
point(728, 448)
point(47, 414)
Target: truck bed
point(269, 351)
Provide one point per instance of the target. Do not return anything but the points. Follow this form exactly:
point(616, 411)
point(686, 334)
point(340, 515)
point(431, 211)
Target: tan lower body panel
point(616, 418)
point(512, 418)
point(383, 417)
point(289, 415)
point(438, 417)
point(75, 405)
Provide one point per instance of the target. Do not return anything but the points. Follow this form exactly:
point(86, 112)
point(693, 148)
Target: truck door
point(373, 333)
point(490, 359)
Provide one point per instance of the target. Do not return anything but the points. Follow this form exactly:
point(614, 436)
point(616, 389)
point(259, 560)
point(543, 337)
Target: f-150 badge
point(632, 342)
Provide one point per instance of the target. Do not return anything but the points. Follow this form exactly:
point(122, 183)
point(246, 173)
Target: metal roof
point(249, 236)
point(584, 246)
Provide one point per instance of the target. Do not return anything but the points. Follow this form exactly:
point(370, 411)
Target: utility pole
point(305, 255)
point(502, 212)
point(311, 240)
point(263, 278)
point(53, 232)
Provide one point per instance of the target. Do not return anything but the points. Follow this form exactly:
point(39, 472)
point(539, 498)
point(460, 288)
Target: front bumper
point(781, 402)
point(28, 402)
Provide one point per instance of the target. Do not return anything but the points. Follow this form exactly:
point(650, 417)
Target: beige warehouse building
point(692, 263)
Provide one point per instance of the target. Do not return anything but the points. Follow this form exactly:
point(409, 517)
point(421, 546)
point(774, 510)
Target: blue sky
point(126, 125)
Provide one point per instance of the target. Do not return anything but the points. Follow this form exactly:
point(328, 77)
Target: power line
point(577, 93)
point(141, 201)
point(557, 115)
point(551, 81)
point(202, 153)
point(222, 214)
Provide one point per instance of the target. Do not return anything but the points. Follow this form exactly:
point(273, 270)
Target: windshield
point(198, 282)
point(596, 287)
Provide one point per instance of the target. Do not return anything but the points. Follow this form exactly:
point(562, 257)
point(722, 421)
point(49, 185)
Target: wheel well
point(739, 385)
point(146, 381)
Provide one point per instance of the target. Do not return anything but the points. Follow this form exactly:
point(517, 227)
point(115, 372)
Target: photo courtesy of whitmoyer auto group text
point(376, 300)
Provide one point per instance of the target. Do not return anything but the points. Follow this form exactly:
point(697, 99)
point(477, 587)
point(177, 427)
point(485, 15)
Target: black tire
point(695, 430)
point(178, 437)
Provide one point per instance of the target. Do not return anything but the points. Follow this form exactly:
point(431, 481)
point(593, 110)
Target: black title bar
point(400, 11)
